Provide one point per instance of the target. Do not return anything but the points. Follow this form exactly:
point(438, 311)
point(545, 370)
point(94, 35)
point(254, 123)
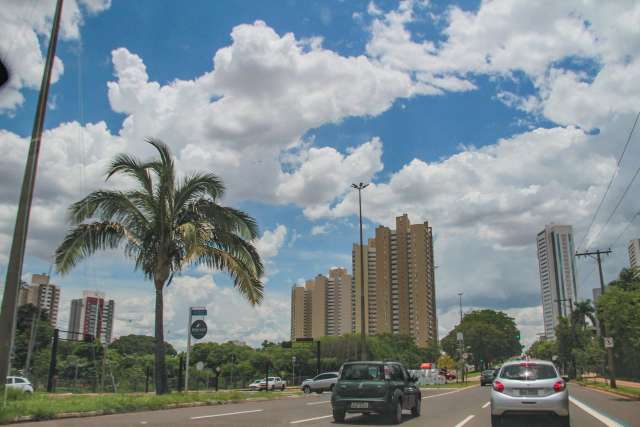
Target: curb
point(87, 414)
point(610, 392)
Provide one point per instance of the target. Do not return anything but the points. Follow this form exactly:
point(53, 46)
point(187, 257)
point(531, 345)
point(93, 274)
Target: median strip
point(226, 414)
point(604, 419)
point(311, 419)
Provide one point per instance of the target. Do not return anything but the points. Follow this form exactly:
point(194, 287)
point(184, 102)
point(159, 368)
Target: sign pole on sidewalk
point(186, 370)
point(197, 330)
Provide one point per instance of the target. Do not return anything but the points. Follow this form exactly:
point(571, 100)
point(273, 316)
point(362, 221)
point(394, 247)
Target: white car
point(322, 382)
point(19, 383)
point(275, 383)
point(529, 386)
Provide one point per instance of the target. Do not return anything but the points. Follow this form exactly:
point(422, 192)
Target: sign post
point(608, 342)
point(197, 330)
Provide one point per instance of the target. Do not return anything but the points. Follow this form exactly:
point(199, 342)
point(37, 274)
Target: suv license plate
point(359, 405)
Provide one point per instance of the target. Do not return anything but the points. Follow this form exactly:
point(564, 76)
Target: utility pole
point(598, 256)
point(16, 256)
point(460, 296)
point(363, 339)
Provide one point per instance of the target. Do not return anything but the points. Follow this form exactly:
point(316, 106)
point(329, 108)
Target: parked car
point(320, 383)
point(529, 386)
point(487, 377)
point(19, 383)
point(448, 375)
point(383, 388)
point(275, 383)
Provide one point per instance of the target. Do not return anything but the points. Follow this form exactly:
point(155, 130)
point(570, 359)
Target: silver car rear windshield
point(528, 372)
point(363, 371)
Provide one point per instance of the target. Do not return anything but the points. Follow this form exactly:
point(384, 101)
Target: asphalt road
point(440, 408)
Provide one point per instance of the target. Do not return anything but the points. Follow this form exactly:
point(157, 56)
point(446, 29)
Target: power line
point(613, 176)
point(626, 228)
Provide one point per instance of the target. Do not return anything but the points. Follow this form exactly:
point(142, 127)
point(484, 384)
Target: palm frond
point(84, 240)
point(247, 284)
point(224, 218)
point(108, 206)
point(196, 186)
point(129, 165)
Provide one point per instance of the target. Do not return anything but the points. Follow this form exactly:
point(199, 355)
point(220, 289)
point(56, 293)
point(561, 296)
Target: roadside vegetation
point(42, 407)
point(633, 392)
point(579, 348)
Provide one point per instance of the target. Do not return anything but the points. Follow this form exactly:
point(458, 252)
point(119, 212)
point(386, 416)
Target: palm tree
point(583, 310)
point(164, 225)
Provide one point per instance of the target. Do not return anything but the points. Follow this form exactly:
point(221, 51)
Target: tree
point(138, 345)
point(543, 349)
point(490, 335)
point(446, 362)
point(44, 332)
point(164, 226)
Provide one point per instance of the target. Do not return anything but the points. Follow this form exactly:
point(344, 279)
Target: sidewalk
point(624, 383)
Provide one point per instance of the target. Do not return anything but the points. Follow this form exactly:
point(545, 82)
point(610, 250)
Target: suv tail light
point(559, 386)
point(499, 387)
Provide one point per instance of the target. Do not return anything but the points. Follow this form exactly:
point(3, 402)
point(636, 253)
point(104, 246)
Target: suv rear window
point(528, 372)
point(362, 371)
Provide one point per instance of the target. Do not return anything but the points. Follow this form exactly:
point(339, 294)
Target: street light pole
point(16, 257)
point(363, 342)
point(460, 296)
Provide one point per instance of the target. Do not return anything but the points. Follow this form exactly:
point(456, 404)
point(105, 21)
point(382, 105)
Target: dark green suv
point(375, 387)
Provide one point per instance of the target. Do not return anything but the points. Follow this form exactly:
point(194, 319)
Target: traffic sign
point(198, 329)
point(459, 336)
point(200, 366)
point(608, 342)
point(198, 311)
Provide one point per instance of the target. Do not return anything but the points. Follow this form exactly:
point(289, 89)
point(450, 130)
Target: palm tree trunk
point(161, 367)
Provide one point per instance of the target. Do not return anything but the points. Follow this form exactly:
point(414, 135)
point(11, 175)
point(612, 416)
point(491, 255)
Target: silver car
point(19, 383)
point(322, 382)
point(529, 387)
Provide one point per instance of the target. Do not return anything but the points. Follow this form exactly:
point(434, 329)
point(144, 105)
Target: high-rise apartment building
point(556, 262)
point(92, 315)
point(634, 253)
point(322, 306)
point(399, 282)
point(41, 293)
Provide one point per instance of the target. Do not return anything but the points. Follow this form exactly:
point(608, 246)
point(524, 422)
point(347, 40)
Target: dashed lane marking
point(486, 404)
point(311, 419)
point(226, 414)
point(449, 392)
point(319, 403)
point(466, 420)
point(604, 419)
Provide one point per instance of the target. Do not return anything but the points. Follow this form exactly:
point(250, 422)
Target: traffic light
point(518, 335)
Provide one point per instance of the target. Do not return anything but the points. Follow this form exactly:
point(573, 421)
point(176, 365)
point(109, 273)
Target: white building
point(41, 293)
point(556, 262)
point(634, 253)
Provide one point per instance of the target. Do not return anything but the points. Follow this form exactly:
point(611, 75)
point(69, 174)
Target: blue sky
point(489, 120)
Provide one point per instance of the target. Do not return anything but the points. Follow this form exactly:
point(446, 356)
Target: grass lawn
point(631, 391)
point(42, 407)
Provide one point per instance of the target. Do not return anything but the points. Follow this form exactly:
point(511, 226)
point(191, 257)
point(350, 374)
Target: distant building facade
point(92, 315)
point(41, 293)
point(556, 263)
point(398, 272)
point(634, 253)
point(322, 307)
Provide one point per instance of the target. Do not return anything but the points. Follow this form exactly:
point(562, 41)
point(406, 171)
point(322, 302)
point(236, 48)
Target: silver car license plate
point(528, 392)
point(359, 405)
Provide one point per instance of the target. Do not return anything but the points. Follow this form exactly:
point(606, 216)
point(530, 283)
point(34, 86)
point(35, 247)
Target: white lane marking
point(225, 414)
point(143, 422)
point(595, 414)
point(466, 420)
point(486, 404)
point(310, 419)
point(319, 403)
point(449, 392)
